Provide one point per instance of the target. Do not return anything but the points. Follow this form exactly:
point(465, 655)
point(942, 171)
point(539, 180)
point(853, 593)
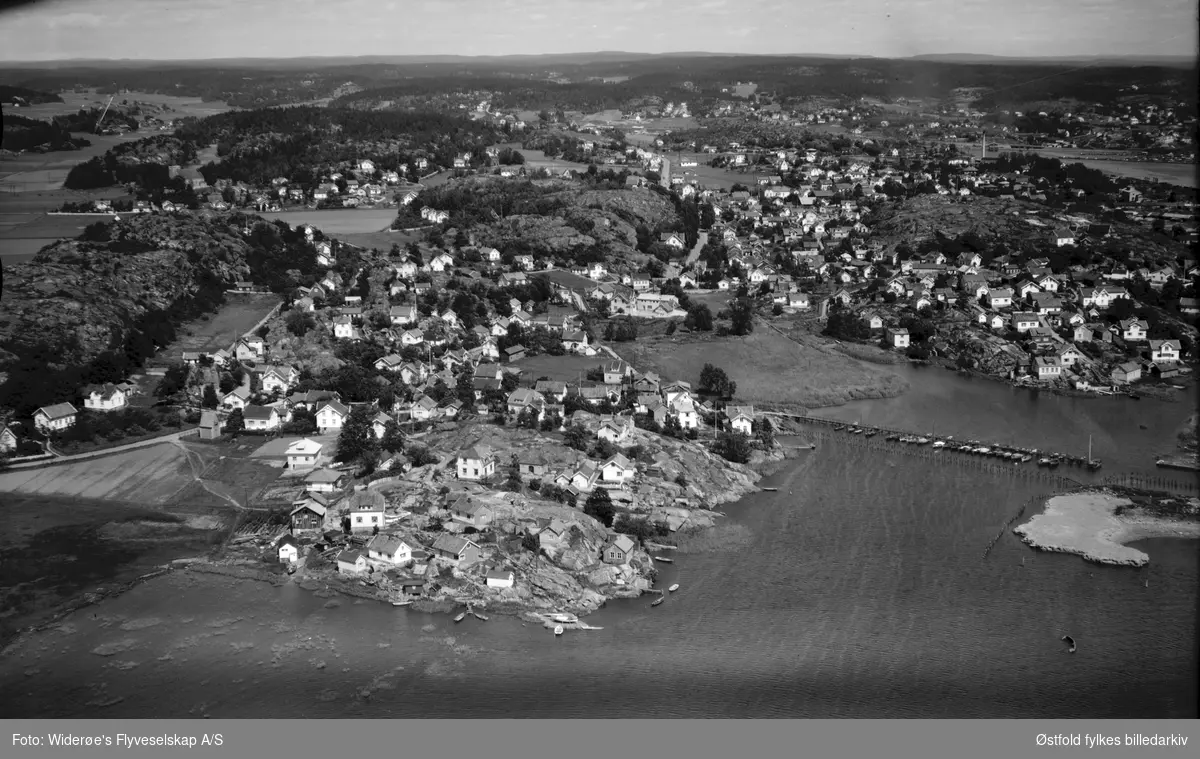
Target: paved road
point(694, 255)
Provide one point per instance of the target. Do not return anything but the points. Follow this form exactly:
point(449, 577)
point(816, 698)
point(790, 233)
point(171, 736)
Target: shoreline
point(1093, 525)
point(241, 568)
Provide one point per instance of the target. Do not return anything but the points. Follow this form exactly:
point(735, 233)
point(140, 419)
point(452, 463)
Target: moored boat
point(461, 617)
point(664, 559)
point(558, 629)
point(673, 588)
point(658, 600)
point(939, 444)
point(1026, 458)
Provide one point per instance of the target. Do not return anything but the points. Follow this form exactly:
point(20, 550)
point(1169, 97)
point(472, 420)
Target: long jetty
point(966, 454)
point(888, 440)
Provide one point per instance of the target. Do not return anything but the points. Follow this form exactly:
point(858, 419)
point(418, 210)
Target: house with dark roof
point(261, 418)
point(619, 550)
point(471, 513)
point(455, 550)
point(56, 417)
point(106, 397)
point(476, 463)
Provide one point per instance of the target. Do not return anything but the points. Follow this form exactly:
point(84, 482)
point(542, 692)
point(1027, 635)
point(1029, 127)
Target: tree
point(356, 443)
point(699, 318)
point(393, 437)
point(530, 543)
point(173, 382)
point(741, 312)
point(236, 422)
point(210, 397)
point(714, 380)
point(764, 432)
point(732, 446)
point(577, 437)
point(599, 506)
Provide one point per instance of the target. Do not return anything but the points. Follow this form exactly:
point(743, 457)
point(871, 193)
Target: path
point(61, 458)
point(694, 255)
point(197, 471)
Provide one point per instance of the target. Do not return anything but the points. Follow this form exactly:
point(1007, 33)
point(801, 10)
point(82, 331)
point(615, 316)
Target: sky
point(198, 29)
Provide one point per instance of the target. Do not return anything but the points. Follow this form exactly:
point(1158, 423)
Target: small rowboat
point(401, 603)
point(673, 588)
point(461, 617)
point(558, 629)
point(658, 600)
point(1070, 642)
point(664, 559)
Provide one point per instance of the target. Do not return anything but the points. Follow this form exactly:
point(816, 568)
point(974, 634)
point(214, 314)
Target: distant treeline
point(21, 133)
point(10, 94)
point(513, 85)
point(257, 146)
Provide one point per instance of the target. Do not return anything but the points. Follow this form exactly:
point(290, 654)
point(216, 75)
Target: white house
point(1134, 330)
point(331, 416)
point(389, 549)
point(351, 562)
point(476, 463)
point(898, 337)
point(500, 578)
point(303, 454)
point(1048, 367)
point(323, 481)
point(53, 418)
point(106, 397)
point(1164, 351)
point(741, 418)
point(277, 379)
point(261, 418)
point(1000, 298)
point(288, 548)
point(1023, 322)
point(366, 511)
point(618, 469)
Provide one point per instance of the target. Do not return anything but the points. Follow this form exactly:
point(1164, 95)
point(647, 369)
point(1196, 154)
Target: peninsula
point(1098, 523)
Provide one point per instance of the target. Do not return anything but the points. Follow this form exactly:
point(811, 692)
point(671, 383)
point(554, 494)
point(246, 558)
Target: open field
point(562, 368)
point(150, 475)
point(239, 314)
point(1182, 174)
point(176, 107)
point(338, 221)
point(769, 369)
point(40, 172)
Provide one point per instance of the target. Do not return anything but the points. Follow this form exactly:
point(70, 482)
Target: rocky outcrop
point(79, 298)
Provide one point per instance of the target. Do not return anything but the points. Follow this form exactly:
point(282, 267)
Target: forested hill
point(23, 96)
point(257, 146)
point(93, 309)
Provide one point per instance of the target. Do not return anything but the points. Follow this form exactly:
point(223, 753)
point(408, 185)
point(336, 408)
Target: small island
point(1098, 523)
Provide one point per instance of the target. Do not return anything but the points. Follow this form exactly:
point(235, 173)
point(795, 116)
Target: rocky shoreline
point(1097, 524)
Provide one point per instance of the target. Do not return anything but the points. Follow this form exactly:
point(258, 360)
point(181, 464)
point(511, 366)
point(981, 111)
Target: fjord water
point(860, 591)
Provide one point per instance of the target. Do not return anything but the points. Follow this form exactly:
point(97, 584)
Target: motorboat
point(664, 559)
point(939, 444)
point(673, 588)
point(658, 601)
point(461, 617)
point(558, 629)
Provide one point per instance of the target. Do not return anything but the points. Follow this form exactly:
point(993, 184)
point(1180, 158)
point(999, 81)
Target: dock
point(994, 458)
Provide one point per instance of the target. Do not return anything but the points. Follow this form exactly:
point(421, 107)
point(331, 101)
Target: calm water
point(860, 593)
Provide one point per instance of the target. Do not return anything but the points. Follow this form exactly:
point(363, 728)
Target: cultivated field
point(145, 476)
point(234, 319)
point(769, 369)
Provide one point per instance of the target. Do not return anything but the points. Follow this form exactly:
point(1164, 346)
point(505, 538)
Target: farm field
point(177, 107)
point(769, 369)
point(147, 476)
point(232, 320)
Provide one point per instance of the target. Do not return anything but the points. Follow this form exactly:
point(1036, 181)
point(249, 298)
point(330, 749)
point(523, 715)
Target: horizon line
point(680, 53)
